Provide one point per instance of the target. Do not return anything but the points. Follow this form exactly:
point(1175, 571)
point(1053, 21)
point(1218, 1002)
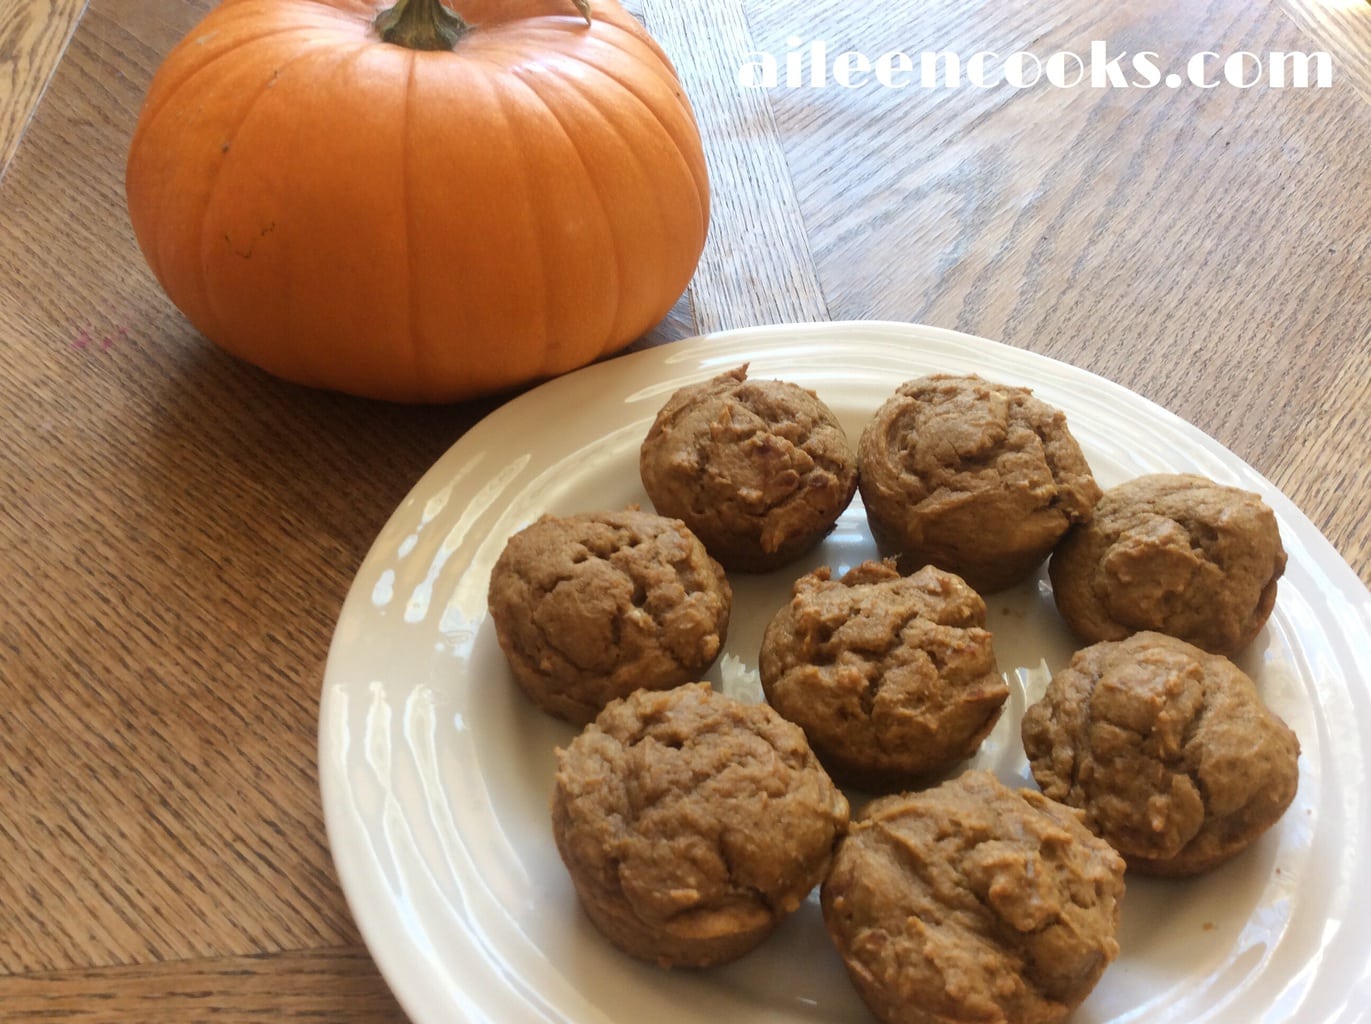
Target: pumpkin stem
point(584, 7)
point(422, 25)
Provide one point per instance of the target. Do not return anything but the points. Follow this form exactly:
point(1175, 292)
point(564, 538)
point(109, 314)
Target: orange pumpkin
point(481, 202)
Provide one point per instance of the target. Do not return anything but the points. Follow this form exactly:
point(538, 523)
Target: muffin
point(1175, 553)
point(760, 470)
point(976, 478)
point(973, 902)
point(893, 678)
point(692, 824)
point(1167, 749)
point(590, 607)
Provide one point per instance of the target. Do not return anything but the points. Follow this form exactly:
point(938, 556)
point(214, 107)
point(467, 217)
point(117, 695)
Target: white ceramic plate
point(436, 773)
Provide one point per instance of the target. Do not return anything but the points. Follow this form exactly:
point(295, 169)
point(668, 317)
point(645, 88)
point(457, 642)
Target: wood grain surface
point(178, 530)
point(309, 985)
point(33, 34)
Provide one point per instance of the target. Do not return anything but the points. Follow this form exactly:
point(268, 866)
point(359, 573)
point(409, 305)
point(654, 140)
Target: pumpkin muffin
point(976, 478)
point(1167, 749)
point(692, 824)
point(590, 607)
point(893, 678)
point(972, 901)
point(760, 470)
point(1176, 553)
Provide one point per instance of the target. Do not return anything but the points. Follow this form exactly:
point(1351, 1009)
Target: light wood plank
point(33, 36)
point(1343, 29)
point(756, 267)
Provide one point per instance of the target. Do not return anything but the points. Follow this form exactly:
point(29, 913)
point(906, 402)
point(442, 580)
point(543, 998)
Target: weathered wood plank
point(33, 36)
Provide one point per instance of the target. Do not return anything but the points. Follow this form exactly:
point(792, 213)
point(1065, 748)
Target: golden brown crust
point(759, 470)
point(590, 607)
point(893, 678)
point(973, 902)
point(1175, 553)
point(692, 823)
point(976, 478)
point(1167, 749)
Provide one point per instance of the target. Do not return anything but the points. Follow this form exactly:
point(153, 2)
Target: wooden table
point(177, 531)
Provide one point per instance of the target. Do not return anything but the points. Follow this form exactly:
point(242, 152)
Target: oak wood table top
point(178, 531)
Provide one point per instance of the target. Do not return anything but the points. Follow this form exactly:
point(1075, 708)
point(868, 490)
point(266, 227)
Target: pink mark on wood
point(88, 338)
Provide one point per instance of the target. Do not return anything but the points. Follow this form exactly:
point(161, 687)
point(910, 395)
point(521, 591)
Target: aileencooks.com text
point(813, 64)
